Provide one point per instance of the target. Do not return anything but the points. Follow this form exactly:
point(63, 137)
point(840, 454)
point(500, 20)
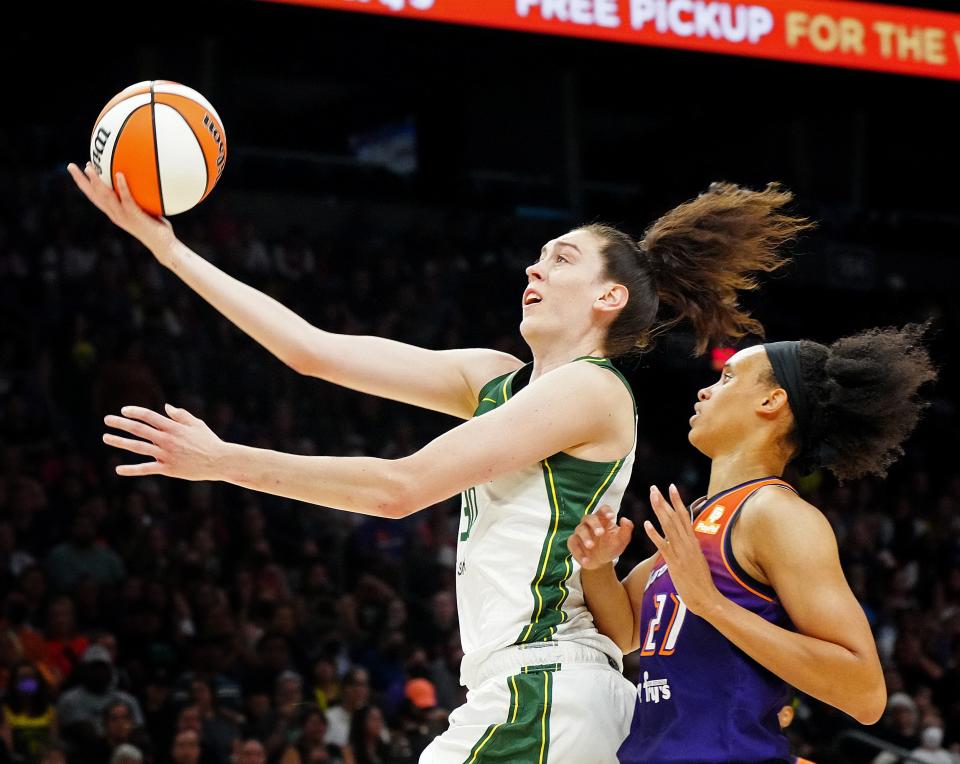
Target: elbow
point(871, 708)
point(397, 497)
point(303, 363)
point(308, 354)
point(870, 702)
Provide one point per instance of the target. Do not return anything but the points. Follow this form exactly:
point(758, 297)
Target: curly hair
point(867, 391)
point(694, 261)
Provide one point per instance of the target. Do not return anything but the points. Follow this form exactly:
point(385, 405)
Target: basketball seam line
point(116, 143)
point(156, 146)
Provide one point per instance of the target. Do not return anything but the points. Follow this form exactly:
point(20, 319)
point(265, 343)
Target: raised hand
point(181, 445)
point(598, 540)
point(681, 551)
point(122, 209)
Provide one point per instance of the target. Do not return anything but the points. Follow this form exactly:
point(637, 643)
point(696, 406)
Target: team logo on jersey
point(654, 690)
point(711, 523)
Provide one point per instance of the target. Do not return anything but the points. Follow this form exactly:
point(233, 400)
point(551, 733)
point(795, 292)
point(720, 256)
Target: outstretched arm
point(447, 381)
point(572, 405)
point(832, 655)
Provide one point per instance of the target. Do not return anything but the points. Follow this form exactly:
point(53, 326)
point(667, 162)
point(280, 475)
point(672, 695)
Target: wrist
point(166, 248)
point(224, 462)
point(715, 609)
point(601, 569)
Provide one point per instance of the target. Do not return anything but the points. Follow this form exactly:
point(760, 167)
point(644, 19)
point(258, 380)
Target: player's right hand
point(122, 209)
point(599, 539)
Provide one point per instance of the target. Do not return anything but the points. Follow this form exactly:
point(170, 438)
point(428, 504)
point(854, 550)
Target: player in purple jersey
point(749, 595)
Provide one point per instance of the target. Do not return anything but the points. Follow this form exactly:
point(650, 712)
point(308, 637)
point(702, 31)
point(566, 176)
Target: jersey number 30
point(667, 640)
point(469, 511)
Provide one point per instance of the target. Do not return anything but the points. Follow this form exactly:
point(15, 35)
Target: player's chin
point(697, 437)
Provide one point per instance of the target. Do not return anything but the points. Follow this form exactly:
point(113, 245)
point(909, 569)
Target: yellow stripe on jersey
point(566, 560)
point(555, 506)
point(546, 708)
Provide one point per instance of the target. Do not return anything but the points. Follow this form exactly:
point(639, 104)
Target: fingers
point(139, 429)
point(134, 446)
point(575, 545)
point(658, 541)
point(152, 418)
point(584, 533)
point(139, 470)
point(78, 177)
point(678, 504)
point(595, 524)
point(123, 190)
point(127, 202)
point(661, 509)
point(608, 517)
point(626, 525)
point(83, 182)
point(88, 181)
point(179, 415)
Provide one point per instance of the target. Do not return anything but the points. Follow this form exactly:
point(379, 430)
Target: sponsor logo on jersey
point(654, 690)
point(711, 523)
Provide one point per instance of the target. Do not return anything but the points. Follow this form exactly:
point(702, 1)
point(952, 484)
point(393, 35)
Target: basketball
point(166, 139)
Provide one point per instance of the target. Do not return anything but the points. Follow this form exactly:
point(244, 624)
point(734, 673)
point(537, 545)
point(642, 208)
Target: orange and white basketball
point(166, 139)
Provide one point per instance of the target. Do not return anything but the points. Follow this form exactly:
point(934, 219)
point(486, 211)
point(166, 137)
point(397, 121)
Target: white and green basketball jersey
point(517, 583)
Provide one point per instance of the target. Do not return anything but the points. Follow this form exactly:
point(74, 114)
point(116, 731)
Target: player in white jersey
point(543, 444)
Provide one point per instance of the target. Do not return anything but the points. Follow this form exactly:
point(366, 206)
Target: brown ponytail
point(694, 261)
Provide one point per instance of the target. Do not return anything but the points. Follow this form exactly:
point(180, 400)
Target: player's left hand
point(182, 446)
point(681, 551)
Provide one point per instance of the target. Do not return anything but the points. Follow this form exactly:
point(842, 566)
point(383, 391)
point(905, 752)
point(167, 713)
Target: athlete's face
point(567, 291)
point(728, 411)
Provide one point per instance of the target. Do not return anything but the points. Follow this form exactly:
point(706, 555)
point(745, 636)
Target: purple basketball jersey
point(702, 699)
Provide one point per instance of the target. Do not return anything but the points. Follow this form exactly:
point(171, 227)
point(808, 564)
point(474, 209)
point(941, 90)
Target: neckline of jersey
point(720, 494)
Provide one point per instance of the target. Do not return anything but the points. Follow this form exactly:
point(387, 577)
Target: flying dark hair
point(694, 261)
point(865, 393)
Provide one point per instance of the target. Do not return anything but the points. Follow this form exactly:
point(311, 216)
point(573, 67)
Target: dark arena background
point(392, 176)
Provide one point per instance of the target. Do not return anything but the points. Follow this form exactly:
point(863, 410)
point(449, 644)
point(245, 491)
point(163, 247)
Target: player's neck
point(549, 357)
point(732, 469)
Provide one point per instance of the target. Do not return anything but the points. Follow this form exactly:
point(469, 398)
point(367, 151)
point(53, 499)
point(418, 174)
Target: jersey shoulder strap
point(497, 391)
point(606, 363)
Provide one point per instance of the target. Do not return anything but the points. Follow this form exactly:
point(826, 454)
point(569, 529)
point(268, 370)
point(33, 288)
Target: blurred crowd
point(158, 621)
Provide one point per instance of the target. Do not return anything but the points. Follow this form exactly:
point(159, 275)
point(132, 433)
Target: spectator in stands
point(186, 747)
point(158, 710)
point(287, 701)
point(326, 685)
point(900, 724)
point(366, 744)
point(126, 754)
point(53, 755)
point(29, 719)
point(309, 745)
point(251, 752)
point(931, 750)
point(118, 729)
point(64, 645)
point(219, 730)
point(356, 695)
point(13, 560)
point(80, 710)
point(82, 556)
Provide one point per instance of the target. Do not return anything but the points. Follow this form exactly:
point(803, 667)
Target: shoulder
point(582, 374)
point(582, 389)
point(777, 523)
